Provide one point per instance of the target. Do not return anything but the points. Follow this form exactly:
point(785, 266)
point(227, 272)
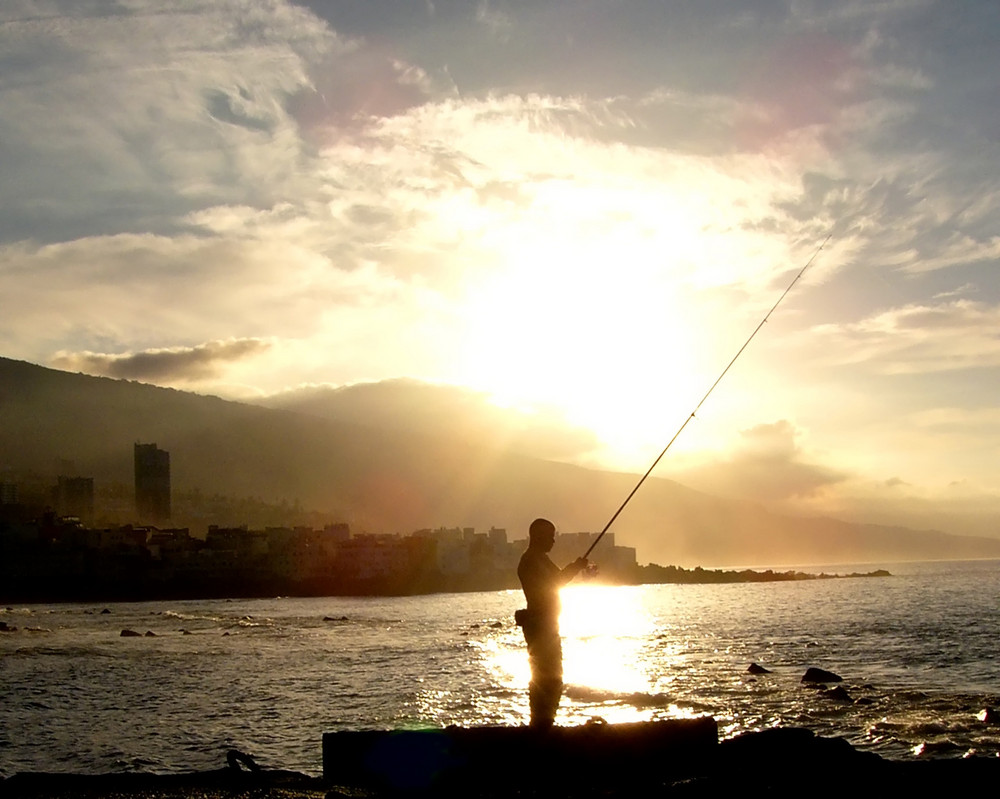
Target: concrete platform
point(453, 756)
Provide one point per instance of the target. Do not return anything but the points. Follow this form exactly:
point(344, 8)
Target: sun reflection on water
point(605, 630)
point(617, 663)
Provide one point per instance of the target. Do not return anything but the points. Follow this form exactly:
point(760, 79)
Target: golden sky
point(579, 209)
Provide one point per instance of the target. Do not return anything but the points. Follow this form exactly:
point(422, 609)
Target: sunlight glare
point(604, 631)
point(613, 348)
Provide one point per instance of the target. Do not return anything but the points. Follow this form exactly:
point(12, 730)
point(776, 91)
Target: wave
point(637, 699)
point(176, 614)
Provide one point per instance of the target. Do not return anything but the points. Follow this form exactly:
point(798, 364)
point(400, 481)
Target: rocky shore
point(776, 762)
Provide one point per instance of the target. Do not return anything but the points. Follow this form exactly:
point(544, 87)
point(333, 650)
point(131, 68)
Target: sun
point(605, 335)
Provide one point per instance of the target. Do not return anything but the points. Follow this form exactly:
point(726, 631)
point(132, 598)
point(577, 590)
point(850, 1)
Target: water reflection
point(605, 632)
point(613, 665)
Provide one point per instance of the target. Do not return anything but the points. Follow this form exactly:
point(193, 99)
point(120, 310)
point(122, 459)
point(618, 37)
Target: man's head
point(542, 534)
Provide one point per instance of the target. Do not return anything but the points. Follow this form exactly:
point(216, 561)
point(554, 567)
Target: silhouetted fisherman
point(541, 580)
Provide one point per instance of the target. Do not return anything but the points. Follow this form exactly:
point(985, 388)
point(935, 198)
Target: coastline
point(140, 591)
point(775, 762)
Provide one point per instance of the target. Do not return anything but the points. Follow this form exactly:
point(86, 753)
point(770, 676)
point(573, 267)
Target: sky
point(577, 209)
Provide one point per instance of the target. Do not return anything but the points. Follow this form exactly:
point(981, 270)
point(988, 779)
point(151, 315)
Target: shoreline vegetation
point(138, 588)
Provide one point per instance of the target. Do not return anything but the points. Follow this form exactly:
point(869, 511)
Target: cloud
point(766, 465)
point(382, 189)
point(181, 364)
point(127, 122)
point(442, 411)
point(917, 339)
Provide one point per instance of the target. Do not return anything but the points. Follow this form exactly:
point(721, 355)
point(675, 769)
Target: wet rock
point(150, 634)
point(105, 612)
point(756, 668)
point(838, 694)
point(989, 715)
point(127, 633)
point(7, 628)
point(496, 625)
point(820, 675)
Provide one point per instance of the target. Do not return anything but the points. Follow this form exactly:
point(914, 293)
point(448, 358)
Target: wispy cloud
point(767, 465)
point(920, 339)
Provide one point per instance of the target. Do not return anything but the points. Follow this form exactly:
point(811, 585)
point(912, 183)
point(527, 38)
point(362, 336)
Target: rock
point(126, 633)
point(756, 668)
point(496, 625)
point(105, 612)
point(6, 628)
point(989, 715)
point(838, 694)
point(820, 675)
point(150, 634)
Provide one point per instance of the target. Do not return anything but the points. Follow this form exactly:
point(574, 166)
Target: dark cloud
point(232, 107)
point(351, 89)
point(174, 364)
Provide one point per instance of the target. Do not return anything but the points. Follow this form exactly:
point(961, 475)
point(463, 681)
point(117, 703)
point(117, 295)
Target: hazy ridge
point(384, 477)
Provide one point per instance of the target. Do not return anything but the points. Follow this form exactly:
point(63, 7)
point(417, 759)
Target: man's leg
point(545, 689)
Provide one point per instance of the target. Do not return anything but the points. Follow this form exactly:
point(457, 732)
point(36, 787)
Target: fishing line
point(697, 407)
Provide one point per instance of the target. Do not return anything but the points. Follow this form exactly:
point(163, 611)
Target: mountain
point(385, 477)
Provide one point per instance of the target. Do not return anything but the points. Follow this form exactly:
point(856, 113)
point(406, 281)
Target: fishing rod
point(697, 407)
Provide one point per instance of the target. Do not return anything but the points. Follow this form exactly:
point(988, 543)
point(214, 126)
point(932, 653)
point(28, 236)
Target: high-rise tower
point(152, 483)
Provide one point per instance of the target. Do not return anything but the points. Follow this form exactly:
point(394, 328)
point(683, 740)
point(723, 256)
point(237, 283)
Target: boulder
point(838, 694)
point(756, 668)
point(820, 675)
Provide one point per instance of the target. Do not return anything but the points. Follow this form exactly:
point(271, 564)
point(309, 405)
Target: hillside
point(385, 479)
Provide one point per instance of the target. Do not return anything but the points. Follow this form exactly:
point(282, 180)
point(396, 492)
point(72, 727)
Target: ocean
point(917, 652)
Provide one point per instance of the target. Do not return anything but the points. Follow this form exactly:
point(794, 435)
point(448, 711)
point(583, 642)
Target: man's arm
point(573, 569)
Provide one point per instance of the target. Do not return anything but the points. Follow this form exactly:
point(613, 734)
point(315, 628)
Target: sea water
point(916, 650)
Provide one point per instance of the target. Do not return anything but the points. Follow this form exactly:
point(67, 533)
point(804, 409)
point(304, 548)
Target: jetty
point(452, 757)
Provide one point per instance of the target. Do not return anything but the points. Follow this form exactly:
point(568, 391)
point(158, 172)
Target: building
point(74, 496)
point(8, 493)
point(152, 483)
